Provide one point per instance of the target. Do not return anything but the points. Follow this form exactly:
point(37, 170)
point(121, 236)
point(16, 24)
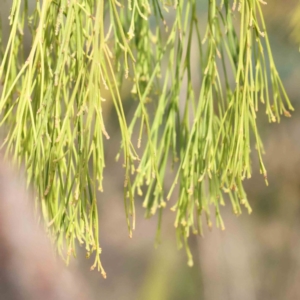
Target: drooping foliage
point(196, 86)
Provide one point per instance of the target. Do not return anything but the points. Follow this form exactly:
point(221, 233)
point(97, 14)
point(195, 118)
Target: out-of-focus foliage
point(296, 24)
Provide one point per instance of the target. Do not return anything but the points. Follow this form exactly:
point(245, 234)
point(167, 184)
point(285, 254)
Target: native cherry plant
point(82, 53)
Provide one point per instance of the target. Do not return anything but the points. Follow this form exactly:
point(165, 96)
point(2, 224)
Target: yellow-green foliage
point(83, 50)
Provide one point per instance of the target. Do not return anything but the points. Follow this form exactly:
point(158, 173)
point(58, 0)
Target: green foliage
point(83, 52)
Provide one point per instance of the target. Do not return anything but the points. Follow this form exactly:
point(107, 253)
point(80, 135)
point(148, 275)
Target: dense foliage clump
point(202, 123)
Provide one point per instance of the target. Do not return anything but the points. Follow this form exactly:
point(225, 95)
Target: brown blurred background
point(257, 257)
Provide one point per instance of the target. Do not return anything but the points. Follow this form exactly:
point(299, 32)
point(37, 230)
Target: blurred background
point(257, 257)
